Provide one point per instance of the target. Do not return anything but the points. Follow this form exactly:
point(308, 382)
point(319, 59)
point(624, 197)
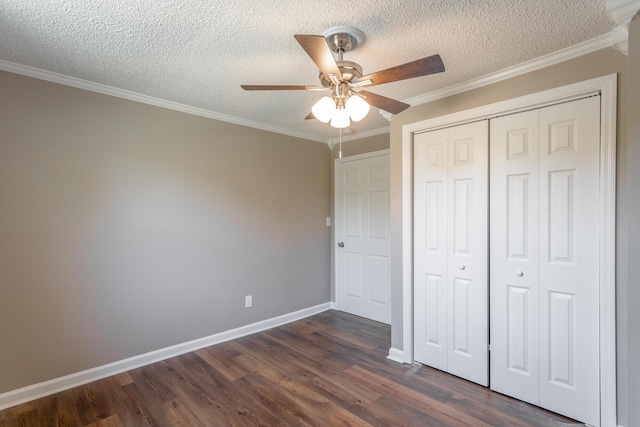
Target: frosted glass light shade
point(340, 118)
point(324, 109)
point(357, 108)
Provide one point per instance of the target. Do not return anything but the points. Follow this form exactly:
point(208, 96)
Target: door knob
point(519, 273)
point(462, 267)
point(341, 244)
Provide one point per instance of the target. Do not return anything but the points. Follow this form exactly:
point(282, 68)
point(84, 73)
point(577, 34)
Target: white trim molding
point(352, 137)
point(387, 115)
point(368, 155)
point(145, 99)
point(620, 36)
point(623, 11)
point(616, 38)
point(396, 355)
point(593, 45)
point(606, 87)
point(36, 391)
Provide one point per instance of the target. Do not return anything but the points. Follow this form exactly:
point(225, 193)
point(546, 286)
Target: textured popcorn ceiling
point(198, 52)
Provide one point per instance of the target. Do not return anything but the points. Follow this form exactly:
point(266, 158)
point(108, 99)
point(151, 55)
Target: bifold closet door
point(544, 257)
point(450, 250)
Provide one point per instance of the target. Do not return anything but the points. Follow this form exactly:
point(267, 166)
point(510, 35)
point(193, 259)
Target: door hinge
point(489, 347)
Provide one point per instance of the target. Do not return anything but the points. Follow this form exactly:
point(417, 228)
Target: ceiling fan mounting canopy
point(343, 38)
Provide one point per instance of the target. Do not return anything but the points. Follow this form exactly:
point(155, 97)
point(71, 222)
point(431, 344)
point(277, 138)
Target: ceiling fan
point(345, 79)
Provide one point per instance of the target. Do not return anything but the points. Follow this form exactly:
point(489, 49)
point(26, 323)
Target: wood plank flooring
point(326, 370)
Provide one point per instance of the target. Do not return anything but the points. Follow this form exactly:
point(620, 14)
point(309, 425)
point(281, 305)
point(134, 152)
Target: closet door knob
point(341, 244)
point(462, 267)
point(519, 273)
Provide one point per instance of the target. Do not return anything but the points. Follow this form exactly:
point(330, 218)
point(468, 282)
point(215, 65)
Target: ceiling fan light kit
point(344, 78)
point(323, 109)
point(340, 118)
point(341, 108)
point(357, 107)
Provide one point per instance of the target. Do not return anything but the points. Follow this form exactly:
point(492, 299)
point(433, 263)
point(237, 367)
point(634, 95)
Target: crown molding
point(50, 76)
point(623, 11)
point(620, 38)
point(387, 115)
point(617, 38)
point(557, 57)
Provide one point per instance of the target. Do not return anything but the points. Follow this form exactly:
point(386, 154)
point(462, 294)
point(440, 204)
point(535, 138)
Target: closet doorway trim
point(606, 87)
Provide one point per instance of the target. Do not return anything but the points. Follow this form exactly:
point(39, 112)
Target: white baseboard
point(36, 391)
point(396, 355)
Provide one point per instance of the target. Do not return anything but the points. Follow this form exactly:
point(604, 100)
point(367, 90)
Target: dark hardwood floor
point(326, 370)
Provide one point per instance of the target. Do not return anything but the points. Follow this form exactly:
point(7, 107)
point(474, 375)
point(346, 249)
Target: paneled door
point(545, 257)
point(515, 295)
point(362, 264)
point(450, 250)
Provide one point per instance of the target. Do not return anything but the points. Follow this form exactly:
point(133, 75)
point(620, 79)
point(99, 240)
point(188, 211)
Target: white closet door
point(569, 259)
point(515, 362)
point(450, 264)
point(430, 251)
point(544, 258)
point(468, 252)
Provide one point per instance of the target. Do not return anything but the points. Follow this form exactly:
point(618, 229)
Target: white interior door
point(363, 275)
point(451, 250)
point(544, 258)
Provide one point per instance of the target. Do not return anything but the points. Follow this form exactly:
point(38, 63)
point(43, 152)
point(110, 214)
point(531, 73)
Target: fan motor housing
point(351, 72)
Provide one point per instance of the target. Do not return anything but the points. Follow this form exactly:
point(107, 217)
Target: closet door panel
point(468, 251)
point(569, 273)
point(514, 255)
point(430, 248)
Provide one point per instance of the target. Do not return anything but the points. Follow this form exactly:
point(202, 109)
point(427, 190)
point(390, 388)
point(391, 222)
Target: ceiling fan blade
point(310, 116)
point(384, 103)
point(279, 87)
point(319, 51)
point(421, 67)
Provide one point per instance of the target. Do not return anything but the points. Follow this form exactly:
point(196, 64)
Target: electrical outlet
point(248, 301)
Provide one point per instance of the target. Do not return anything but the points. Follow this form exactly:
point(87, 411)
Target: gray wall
point(630, 294)
point(126, 228)
point(603, 62)
point(361, 146)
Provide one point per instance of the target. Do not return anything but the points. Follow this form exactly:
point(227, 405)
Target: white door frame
point(606, 87)
point(336, 162)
